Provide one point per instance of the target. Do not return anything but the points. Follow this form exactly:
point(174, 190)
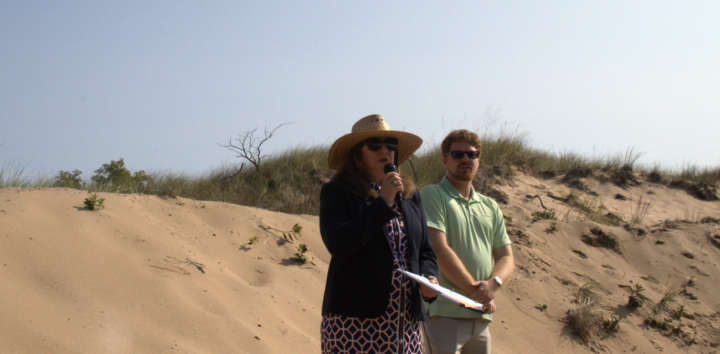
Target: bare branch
point(249, 146)
point(225, 179)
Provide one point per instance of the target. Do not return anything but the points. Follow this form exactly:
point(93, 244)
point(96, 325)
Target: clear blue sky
point(160, 83)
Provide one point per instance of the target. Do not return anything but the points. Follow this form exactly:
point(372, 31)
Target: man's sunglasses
point(375, 144)
point(458, 154)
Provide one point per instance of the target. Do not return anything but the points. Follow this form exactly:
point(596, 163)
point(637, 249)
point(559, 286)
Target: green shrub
point(544, 215)
point(612, 324)
point(552, 227)
point(637, 298)
point(300, 256)
point(115, 174)
point(92, 202)
point(69, 179)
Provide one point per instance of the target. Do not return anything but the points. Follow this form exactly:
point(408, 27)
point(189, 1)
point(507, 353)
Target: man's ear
point(445, 161)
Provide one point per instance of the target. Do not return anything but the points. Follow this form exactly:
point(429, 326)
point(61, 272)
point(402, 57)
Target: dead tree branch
point(538, 197)
point(249, 146)
point(227, 178)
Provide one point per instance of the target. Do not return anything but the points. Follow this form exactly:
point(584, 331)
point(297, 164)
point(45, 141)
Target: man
point(467, 232)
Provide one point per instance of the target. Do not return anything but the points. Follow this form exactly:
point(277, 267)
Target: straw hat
point(372, 126)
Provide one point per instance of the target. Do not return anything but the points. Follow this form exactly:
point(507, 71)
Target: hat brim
point(339, 153)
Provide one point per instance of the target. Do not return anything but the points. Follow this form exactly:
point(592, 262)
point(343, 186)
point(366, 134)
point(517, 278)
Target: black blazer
point(355, 233)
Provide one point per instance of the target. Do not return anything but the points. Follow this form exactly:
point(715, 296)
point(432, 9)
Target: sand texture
point(171, 275)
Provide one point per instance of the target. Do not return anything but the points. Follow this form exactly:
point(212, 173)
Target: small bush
point(637, 298)
point(300, 256)
point(68, 179)
point(552, 227)
point(115, 174)
point(544, 215)
point(680, 312)
point(612, 324)
point(93, 202)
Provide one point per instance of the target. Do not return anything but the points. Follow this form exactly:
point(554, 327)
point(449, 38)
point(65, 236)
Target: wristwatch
point(498, 281)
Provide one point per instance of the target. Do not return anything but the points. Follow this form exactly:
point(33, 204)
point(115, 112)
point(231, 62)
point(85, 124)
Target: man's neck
point(463, 187)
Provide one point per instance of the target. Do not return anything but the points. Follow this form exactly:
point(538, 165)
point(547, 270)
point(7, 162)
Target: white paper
point(463, 301)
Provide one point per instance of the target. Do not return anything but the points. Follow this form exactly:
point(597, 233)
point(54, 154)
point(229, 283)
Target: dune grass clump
point(670, 298)
point(694, 173)
point(587, 322)
point(588, 293)
point(639, 212)
point(12, 175)
point(15, 174)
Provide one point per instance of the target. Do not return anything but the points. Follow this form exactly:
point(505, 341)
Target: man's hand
point(426, 292)
point(489, 307)
point(484, 291)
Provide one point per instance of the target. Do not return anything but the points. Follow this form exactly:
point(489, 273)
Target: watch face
point(498, 280)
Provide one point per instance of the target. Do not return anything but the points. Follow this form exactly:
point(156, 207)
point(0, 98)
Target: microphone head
point(390, 167)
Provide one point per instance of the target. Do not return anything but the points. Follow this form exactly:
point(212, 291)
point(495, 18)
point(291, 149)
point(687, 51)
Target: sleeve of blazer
point(347, 222)
point(428, 261)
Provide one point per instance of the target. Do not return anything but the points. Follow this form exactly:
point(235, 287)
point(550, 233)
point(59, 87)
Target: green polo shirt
point(474, 228)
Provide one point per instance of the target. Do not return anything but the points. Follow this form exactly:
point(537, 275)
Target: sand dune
point(154, 275)
point(118, 280)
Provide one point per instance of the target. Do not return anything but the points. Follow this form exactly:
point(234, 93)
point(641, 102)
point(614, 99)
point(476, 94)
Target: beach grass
point(290, 181)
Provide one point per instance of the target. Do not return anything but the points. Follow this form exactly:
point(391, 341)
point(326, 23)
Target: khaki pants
point(448, 335)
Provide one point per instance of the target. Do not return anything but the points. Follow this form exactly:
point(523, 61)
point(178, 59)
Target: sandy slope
point(553, 265)
point(112, 281)
point(119, 280)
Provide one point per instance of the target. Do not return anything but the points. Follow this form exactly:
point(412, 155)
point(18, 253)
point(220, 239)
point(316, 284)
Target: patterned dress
point(350, 335)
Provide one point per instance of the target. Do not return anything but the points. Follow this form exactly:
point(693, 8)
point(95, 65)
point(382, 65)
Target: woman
point(373, 223)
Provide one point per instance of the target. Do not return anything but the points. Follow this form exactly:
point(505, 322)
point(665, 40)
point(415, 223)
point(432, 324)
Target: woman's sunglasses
point(458, 154)
point(375, 144)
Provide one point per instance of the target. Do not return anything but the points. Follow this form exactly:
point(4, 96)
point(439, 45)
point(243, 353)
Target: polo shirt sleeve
point(435, 209)
point(500, 236)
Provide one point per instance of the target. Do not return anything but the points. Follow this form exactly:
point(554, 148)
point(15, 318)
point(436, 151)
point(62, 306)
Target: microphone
point(390, 167)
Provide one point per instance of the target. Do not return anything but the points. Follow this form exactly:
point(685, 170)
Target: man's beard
point(462, 175)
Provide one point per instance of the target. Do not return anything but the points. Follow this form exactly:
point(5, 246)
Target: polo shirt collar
point(453, 192)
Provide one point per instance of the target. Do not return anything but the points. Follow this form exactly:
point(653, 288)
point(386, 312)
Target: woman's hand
point(388, 189)
point(426, 292)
